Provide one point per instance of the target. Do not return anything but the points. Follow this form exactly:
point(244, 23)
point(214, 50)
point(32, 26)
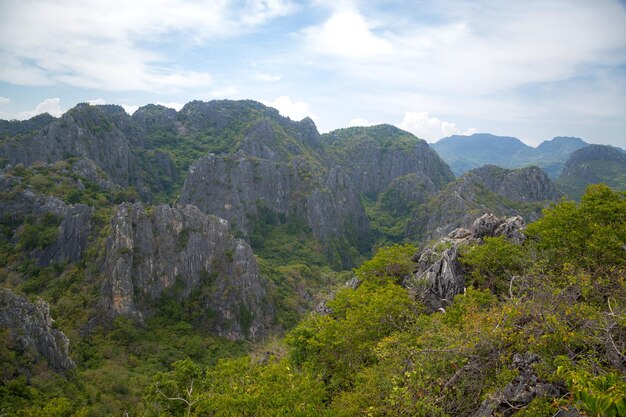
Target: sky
point(529, 69)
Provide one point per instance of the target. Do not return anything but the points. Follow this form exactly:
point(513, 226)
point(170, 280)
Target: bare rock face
point(520, 392)
point(334, 210)
point(176, 251)
point(31, 327)
point(439, 276)
point(73, 223)
point(235, 187)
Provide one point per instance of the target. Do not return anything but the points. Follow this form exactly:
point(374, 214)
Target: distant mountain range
point(463, 153)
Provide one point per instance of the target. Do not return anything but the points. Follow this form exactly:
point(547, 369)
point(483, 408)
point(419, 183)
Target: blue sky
point(531, 69)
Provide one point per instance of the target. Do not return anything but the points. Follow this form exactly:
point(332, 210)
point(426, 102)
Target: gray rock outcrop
point(31, 327)
point(521, 391)
point(175, 251)
point(439, 276)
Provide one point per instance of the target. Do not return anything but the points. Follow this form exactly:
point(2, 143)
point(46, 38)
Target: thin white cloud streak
point(356, 122)
point(85, 44)
point(4, 100)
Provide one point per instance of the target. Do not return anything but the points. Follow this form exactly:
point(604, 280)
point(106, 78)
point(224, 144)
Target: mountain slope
point(592, 165)
point(489, 189)
point(463, 153)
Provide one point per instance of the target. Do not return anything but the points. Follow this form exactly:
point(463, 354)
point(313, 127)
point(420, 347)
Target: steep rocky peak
point(374, 156)
point(154, 116)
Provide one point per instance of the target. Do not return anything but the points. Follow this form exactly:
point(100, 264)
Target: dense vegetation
point(561, 295)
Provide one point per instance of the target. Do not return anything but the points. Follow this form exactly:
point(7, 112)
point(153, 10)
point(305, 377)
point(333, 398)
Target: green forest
point(549, 313)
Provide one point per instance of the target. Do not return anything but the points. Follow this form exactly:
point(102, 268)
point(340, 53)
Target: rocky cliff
point(30, 329)
point(278, 169)
point(50, 230)
point(181, 253)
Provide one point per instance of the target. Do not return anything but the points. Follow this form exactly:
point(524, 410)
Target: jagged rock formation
point(71, 224)
point(31, 328)
point(439, 276)
point(503, 192)
point(176, 251)
point(592, 165)
point(464, 153)
point(521, 391)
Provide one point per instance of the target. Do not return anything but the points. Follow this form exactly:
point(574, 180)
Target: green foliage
point(177, 392)
point(339, 345)
point(391, 262)
point(590, 235)
point(40, 234)
point(599, 395)
point(494, 263)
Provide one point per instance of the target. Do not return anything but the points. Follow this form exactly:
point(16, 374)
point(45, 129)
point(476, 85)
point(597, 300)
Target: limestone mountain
point(464, 153)
point(592, 165)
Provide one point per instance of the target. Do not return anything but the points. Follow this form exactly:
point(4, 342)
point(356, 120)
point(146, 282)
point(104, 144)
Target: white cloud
point(297, 110)
point(268, 77)
point(361, 122)
point(485, 48)
point(97, 101)
point(129, 108)
point(346, 34)
point(430, 128)
point(4, 100)
point(49, 105)
point(84, 44)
